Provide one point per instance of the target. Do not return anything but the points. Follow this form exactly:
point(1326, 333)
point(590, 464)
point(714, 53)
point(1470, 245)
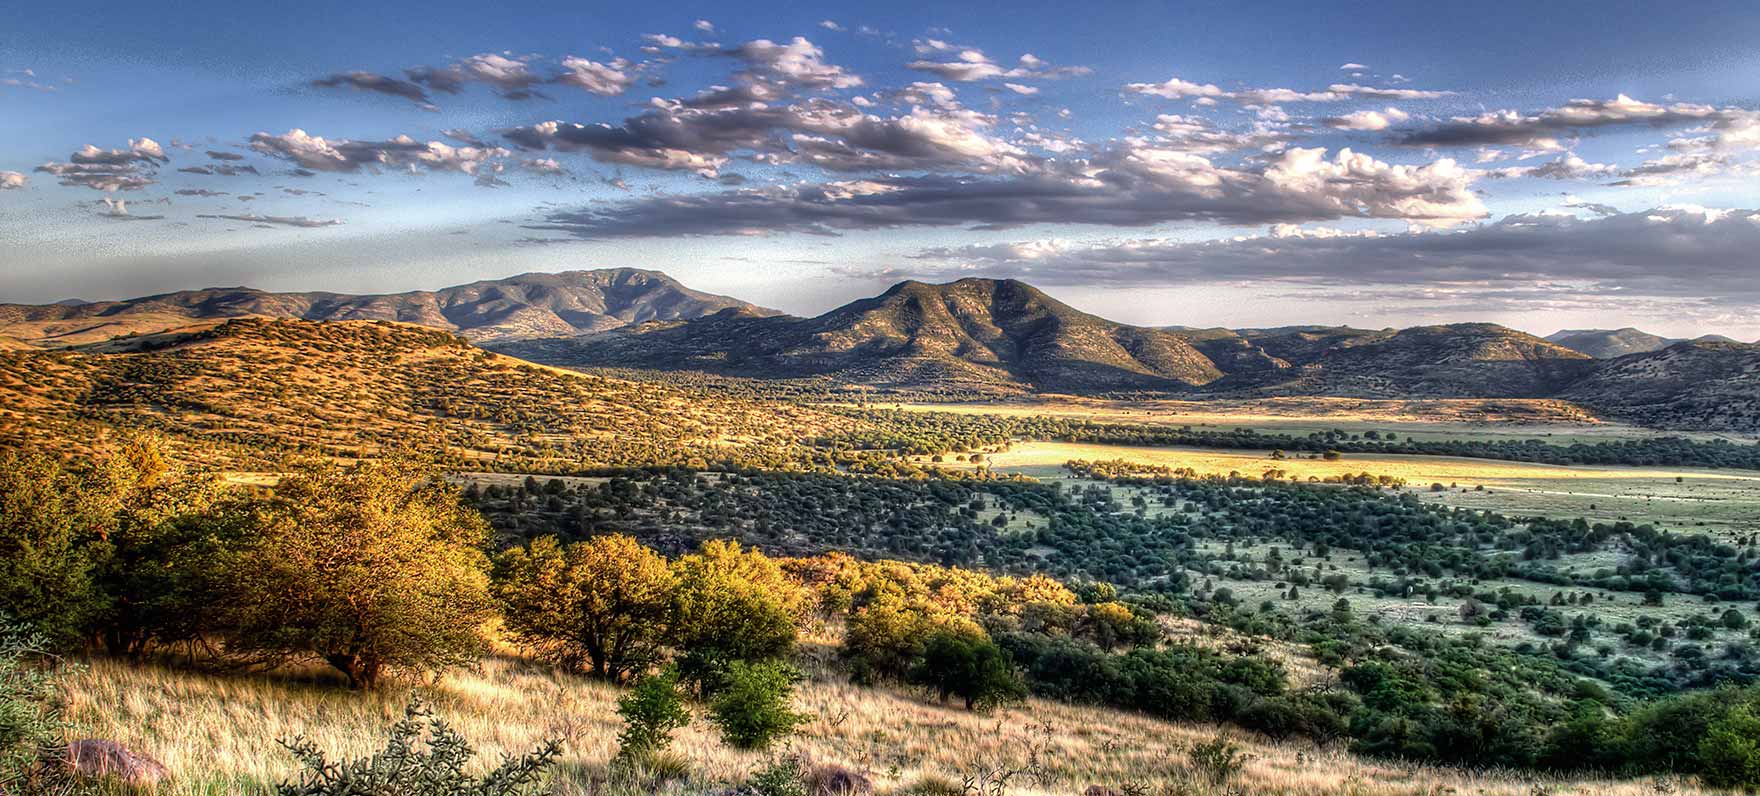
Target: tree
point(651, 710)
point(603, 603)
point(970, 667)
point(47, 516)
point(1730, 750)
point(367, 569)
point(731, 605)
point(751, 703)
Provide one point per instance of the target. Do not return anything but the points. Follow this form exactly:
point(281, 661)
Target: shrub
point(31, 726)
point(1730, 751)
point(46, 516)
point(751, 704)
point(651, 710)
point(782, 775)
point(731, 605)
point(601, 604)
point(1217, 760)
point(423, 756)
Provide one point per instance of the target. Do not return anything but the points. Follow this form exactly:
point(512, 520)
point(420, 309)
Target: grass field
point(217, 734)
point(1556, 422)
point(1724, 502)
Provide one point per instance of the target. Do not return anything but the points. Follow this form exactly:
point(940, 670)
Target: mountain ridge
point(534, 304)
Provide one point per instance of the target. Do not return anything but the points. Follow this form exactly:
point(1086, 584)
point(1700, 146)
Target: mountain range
point(979, 337)
point(524, 306)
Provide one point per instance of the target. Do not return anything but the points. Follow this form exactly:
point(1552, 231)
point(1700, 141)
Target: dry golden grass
point(217, 734)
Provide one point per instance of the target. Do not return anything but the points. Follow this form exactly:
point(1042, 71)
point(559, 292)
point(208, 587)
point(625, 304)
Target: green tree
point(1730, 750)
point(732, 605)
point(972, 668)
point(367, 569)
point(651, 710)
point(602, 604)
point(48, 518)
point(751, 703)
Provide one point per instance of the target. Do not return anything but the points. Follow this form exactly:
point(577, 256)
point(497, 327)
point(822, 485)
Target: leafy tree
point(651, 710)
point(366, 569)
point(47, 515)
point(732, 605)
point(970, 667)
point(602, 603)
point(1730, 750)
point(751, 703)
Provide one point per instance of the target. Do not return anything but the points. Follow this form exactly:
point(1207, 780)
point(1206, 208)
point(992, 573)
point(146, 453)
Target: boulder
point(835, 780)
point(99, 759)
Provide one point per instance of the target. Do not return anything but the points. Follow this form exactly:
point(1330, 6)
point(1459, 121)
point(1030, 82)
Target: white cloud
point(12, 180)
point(1368, 120)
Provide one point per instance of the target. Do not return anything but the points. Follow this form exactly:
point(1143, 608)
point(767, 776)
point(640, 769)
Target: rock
point(98, 759)
point(835, 780)
point(1099, 790)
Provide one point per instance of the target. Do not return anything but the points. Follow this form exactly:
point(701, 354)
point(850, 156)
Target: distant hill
point(525, 306)
point(1701, 385)
point(1478, 360)
point(1610, 343)
point(989, 335)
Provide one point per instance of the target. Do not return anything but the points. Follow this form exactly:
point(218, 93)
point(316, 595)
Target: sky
point(1542, 165)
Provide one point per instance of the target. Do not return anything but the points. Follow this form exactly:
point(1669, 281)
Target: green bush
point(782, 775)
point(1217, 760)
point(1730, 751)
point(651, 710)
point(423, 756)
point(751, 704)
point(31, 727)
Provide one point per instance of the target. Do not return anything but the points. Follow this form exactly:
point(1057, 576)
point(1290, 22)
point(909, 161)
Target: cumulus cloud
point(1200, 135)
point(1549, 129)
point(343, 155)
point(219, 170)
point(970, 64)
point(605, 79)
point(111, 170)
point(702, 136)
point(512, 78)
point(282, 221)
point(12, 180)
point(1127, 184)
point(1664, 252)
point(1367, 120)
point(1175, 88)
point(117, 209)
point(796, 63)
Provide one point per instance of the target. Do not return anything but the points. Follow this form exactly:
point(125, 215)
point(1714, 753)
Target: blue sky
point(1543, 165)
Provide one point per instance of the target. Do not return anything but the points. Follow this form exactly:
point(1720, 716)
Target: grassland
point(217, 734)
point(1556, 422)
point(1725, 502)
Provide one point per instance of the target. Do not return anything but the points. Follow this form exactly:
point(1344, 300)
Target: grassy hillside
point(217, 733)
point(247, 390)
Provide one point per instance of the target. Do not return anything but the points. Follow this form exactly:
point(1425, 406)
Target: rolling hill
point(1703, 385)
point(990, 335)
point(525, 306)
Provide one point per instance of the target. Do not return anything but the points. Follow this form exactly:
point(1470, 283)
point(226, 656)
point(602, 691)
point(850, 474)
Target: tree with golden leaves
point(600, 605)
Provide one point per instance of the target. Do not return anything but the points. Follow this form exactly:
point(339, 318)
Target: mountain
point(525, 306)
point(242, 392)
point(1699, 385)
point(1004, 336)
point(1610, 343)
point(978, 334)
point(1464, 360)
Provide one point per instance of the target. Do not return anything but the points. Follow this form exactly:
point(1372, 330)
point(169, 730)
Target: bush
point(1730, 751)
point(1217, 760)
point(31, 727)
point(47, 515)
point(782, 775)
point(732, 605)
point(423, 756)
point(751, 704)
point(651, 710)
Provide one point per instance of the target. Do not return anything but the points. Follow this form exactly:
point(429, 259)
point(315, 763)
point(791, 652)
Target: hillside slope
point(996, 335)
point(248, 390)
point(1610, 343)
point(1702, 385)
point(528, 305)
